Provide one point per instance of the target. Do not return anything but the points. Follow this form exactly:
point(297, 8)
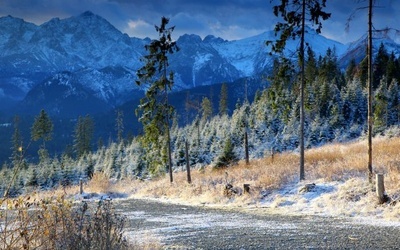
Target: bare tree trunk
point(189, 178)
point(246, 147)
point(370, 116)
point(302, 92)
point(171, 178)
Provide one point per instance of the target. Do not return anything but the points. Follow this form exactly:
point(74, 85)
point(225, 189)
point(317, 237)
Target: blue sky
point(229, 19)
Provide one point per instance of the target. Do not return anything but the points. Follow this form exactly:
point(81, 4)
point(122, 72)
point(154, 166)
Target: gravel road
point(187, 227)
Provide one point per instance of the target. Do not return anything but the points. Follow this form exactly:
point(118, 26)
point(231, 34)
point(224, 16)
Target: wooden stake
point(80, 186)
point(189, 178)
point(380, 188)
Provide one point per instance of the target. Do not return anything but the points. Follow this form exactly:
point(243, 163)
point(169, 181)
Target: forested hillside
point(336, 111)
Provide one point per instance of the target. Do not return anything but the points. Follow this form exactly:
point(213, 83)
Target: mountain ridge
point(104, 60)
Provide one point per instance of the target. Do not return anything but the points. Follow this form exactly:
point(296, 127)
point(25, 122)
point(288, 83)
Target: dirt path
point(186, 227)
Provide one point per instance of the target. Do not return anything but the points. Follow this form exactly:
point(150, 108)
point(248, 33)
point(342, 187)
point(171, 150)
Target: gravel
point(194, 227)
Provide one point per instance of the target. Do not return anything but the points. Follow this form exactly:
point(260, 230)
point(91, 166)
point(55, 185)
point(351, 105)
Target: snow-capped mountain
point(87, 54)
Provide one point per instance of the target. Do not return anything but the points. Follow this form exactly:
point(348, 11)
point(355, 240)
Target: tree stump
point(246, 188)
point(380, 189)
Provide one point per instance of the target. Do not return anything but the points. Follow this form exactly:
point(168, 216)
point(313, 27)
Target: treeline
point(335, 107)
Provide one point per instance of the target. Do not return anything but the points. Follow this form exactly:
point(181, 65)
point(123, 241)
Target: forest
point(335, 111)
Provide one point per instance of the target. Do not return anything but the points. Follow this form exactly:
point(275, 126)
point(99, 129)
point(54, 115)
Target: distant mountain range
point(83, 64)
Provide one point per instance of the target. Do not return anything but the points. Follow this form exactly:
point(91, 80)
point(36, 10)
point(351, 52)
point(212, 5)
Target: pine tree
point(83, 136)
point(227, 157)
point(206, 109)
point(119, 125)
point(42, 128)
point(294, 14)
point(380, 65)
point(154, 107)
point(381, 107)
point(311, 67)
point(394, 104)
point(392, 69)
point(223, 100)
point(351, 70)
point(17, 150)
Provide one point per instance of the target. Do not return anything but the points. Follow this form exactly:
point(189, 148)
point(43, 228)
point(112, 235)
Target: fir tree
point(294, 14)
point(380, 66)
point(119, 125)
point(223, 100)
point(42, 128)
point(154, 107)
point(206, 109)
point(83, 135)
point(227, 157)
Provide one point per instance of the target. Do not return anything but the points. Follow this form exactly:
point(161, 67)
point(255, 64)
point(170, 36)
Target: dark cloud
point(230, 19)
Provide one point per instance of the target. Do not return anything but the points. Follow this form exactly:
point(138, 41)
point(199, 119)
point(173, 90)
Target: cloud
point(229, 19)
point(138, 28)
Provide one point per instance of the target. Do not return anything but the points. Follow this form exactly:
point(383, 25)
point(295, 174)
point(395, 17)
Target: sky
point(228, 19)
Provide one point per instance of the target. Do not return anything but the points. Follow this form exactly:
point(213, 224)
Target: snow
point(332, 199)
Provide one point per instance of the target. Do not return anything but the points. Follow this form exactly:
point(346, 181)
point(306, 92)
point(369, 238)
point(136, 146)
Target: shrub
point(60, 224)
point(228, 157)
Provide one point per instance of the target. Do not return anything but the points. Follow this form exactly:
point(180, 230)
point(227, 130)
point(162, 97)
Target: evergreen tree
point(206, 109)
point(393, 104)
point(42, 128)
point(362, 71)
point(17, 150)
point(392, 69)
point(329, 67)
point(294, 14)
point(83, 136)
point(119, 125)
point(351, 70)
point(381, 107)
point(32, 179)
point(311, 67)
point(228, 156)
point(380, 65)
point(223, 100)
point(154, 107)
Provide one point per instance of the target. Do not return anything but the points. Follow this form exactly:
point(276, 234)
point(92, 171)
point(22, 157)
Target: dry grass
point(335, 162)
point(343, 163)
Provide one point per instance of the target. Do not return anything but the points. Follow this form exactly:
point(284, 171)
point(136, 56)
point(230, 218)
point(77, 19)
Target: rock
point(230, 190)
point(308, 188)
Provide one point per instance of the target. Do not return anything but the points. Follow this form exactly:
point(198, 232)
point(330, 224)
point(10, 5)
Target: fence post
point(380, 188)
point(80, 186)
point(189, 178)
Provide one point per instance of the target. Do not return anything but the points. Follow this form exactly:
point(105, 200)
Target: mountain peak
point(192, 38)
point(87, 13)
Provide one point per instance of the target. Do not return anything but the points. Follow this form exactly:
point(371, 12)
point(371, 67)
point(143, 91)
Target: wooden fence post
point(189, 178)
point(380, 188)
point(246, 188)
point(80, 186)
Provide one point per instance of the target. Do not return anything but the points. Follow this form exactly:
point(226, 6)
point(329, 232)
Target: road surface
point(187, 227)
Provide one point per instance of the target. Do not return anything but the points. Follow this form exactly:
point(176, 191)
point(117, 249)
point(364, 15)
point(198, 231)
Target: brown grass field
point(345, 164)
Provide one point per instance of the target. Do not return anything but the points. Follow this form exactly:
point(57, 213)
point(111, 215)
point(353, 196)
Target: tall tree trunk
point(189, 177)
point(246, 147)
point(171, 178)
point(370, 115)
point(302, 92)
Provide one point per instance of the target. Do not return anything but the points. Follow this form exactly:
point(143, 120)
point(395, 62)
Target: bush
point(59, 224)
point(228, 157)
